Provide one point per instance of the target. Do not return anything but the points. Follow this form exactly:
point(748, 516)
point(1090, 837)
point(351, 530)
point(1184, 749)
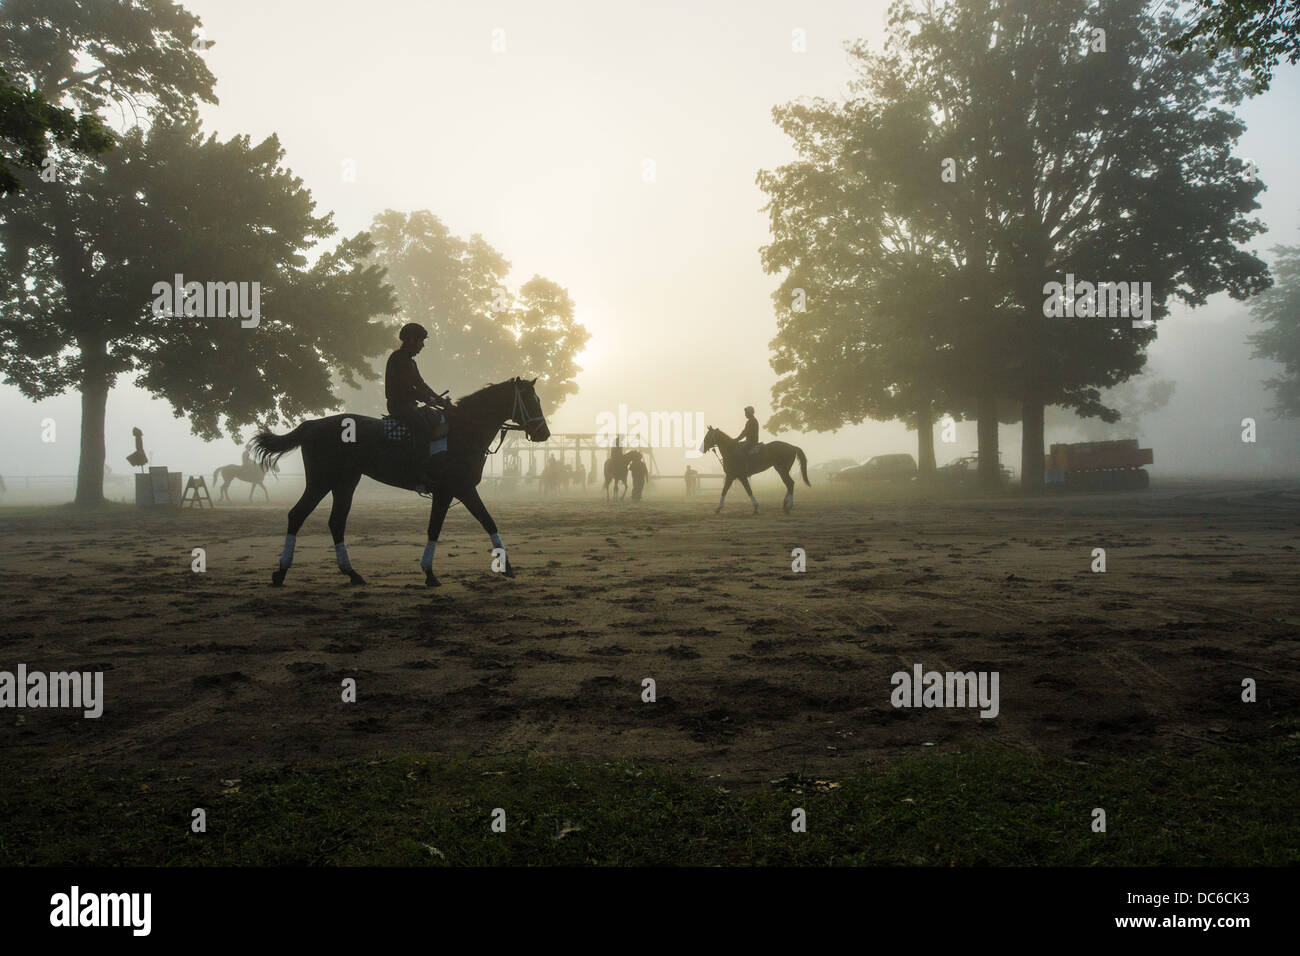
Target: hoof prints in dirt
point(219, 681)
point(775, 667)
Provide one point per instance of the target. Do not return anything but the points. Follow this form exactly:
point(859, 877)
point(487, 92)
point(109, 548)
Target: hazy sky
point(541, 149)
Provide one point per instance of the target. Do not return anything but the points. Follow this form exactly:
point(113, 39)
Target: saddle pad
point(394, 430)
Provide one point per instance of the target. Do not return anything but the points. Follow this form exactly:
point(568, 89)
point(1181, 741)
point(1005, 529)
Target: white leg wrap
point(426, 560)
point(341, 550)
point(286, 556)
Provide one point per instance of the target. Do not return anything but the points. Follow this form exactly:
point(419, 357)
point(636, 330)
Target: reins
point(717, 453)
point(507, 426)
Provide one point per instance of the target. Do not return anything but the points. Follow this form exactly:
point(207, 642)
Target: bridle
point(519, 406)
point(512, 424)
point(716, 453)
point(517, 422)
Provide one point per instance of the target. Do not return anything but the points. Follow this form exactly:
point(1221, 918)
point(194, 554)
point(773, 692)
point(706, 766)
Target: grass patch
point(987, 806)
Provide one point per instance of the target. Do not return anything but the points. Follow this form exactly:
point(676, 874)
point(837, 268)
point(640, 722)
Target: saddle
point(395, 430)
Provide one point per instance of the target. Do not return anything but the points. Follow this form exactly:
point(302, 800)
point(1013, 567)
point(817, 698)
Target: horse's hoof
point(353, 577)
point(431, 580)
point(277, 578)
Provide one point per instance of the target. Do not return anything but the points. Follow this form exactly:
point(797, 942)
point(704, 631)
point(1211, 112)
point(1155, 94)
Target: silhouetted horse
point(739, 463)
point(337, 451)
point(249, 471)
point(616, 471)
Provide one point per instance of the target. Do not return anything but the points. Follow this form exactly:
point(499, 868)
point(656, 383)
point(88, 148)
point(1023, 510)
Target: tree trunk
point(94, 406)
point(1031, 447)
point(925, 441)
point(990, 472)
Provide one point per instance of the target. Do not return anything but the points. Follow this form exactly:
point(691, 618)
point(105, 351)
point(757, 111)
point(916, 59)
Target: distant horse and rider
point(616, 467)
point(249, 471)
point(745, 455)
point(555, 477)
point(451, 446)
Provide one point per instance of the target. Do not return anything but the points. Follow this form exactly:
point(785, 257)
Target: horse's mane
point(473, 398)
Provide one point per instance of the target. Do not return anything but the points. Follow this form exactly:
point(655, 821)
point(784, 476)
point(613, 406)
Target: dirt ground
point(759, 670)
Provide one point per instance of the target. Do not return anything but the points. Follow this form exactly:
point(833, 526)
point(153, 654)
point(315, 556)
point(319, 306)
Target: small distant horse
point(739, 463)
point(338, 450)
point(555, 477)
point(250, 471)
point(616, 466)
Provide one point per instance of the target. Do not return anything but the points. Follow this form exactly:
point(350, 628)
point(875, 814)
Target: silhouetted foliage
point(1100, 155)
point(80, 256)
point(1278, 310)
point(28, 127)
point(479, 330)
point(1265, 31)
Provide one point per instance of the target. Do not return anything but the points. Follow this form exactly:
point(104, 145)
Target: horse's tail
point(803, 465)
point(216, 473)
point(268, 446)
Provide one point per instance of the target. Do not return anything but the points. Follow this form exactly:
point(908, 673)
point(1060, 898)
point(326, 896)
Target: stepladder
point(199, 486)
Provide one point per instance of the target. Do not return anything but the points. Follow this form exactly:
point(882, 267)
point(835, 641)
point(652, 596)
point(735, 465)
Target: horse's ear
point(534, 381)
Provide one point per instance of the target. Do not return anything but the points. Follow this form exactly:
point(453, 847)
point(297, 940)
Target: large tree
point(479, 329)
point(1073, 142)
point(1118, 158)
point(1278, 311)
point(867, 313)
point(80, 257)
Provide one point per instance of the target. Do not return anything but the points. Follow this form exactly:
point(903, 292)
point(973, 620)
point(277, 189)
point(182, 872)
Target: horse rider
point(748, 436)
point(404, 389)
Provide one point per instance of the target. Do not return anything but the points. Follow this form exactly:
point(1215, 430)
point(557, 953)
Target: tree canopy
point(1278, 311)
point(998, 148)
point(81, 256)
point(30, 127)
point(1263, 31)
point(479, 329)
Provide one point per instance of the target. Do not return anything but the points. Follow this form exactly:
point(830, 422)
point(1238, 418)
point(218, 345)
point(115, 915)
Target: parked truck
point(1099, 466)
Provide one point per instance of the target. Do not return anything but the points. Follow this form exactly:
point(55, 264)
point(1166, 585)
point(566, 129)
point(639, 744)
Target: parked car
point(966, 468)
point(830, 468)
point(880, 468)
